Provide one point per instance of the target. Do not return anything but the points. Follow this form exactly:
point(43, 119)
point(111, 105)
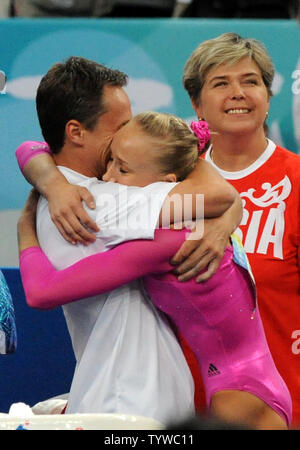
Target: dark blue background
point(43, 364)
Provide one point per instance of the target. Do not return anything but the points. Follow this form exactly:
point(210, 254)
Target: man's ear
point(74, 132)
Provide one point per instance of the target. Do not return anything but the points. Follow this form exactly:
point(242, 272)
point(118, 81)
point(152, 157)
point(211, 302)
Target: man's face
point(97, 141)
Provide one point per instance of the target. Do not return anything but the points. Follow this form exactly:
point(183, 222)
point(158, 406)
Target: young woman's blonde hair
point(228, 48)
point(177, 146)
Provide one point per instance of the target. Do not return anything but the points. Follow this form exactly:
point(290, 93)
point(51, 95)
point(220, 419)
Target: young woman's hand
point(65, 199)
point(69, 216)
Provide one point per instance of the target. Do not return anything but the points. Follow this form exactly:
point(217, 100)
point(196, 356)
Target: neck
point(75, 159)
point(234, 153)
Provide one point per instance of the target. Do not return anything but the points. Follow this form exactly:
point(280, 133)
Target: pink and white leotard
point(219, 318)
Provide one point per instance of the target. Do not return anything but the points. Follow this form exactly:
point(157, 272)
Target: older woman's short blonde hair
point(176, 146)
point(228, 48)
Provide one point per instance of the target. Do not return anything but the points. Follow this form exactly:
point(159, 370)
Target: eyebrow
point(123, 123)
point(223, 77)
point(121, 161)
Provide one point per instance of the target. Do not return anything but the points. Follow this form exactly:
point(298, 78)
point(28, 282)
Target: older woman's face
point(234, 98)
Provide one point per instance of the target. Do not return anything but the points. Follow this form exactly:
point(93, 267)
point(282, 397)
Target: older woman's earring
point(267, 113)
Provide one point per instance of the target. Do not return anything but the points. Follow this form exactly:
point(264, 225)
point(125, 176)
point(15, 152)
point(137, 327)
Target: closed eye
point(251, 81)
point(220, 83)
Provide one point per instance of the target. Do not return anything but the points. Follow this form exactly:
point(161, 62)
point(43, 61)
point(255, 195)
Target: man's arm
point(65, 199)
point(27, 236)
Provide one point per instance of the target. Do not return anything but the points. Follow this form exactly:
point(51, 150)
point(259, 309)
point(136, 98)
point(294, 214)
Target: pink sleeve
point(30, 149)
point(46, 287)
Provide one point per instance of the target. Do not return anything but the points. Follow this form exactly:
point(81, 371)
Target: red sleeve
point(46, 287)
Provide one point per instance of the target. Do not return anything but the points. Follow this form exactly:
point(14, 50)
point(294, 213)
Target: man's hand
point(207, 249)
point(198, 254)
point(70, 217)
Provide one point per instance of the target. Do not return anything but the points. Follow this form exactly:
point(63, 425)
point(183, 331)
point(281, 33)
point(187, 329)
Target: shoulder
point(287, 155)
point(288, 161)
point(151, 191)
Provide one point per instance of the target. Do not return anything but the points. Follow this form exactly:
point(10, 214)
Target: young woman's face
point(234, 98)
point(132, 162)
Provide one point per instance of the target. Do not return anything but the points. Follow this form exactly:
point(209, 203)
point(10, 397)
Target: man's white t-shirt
point(128, 358)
